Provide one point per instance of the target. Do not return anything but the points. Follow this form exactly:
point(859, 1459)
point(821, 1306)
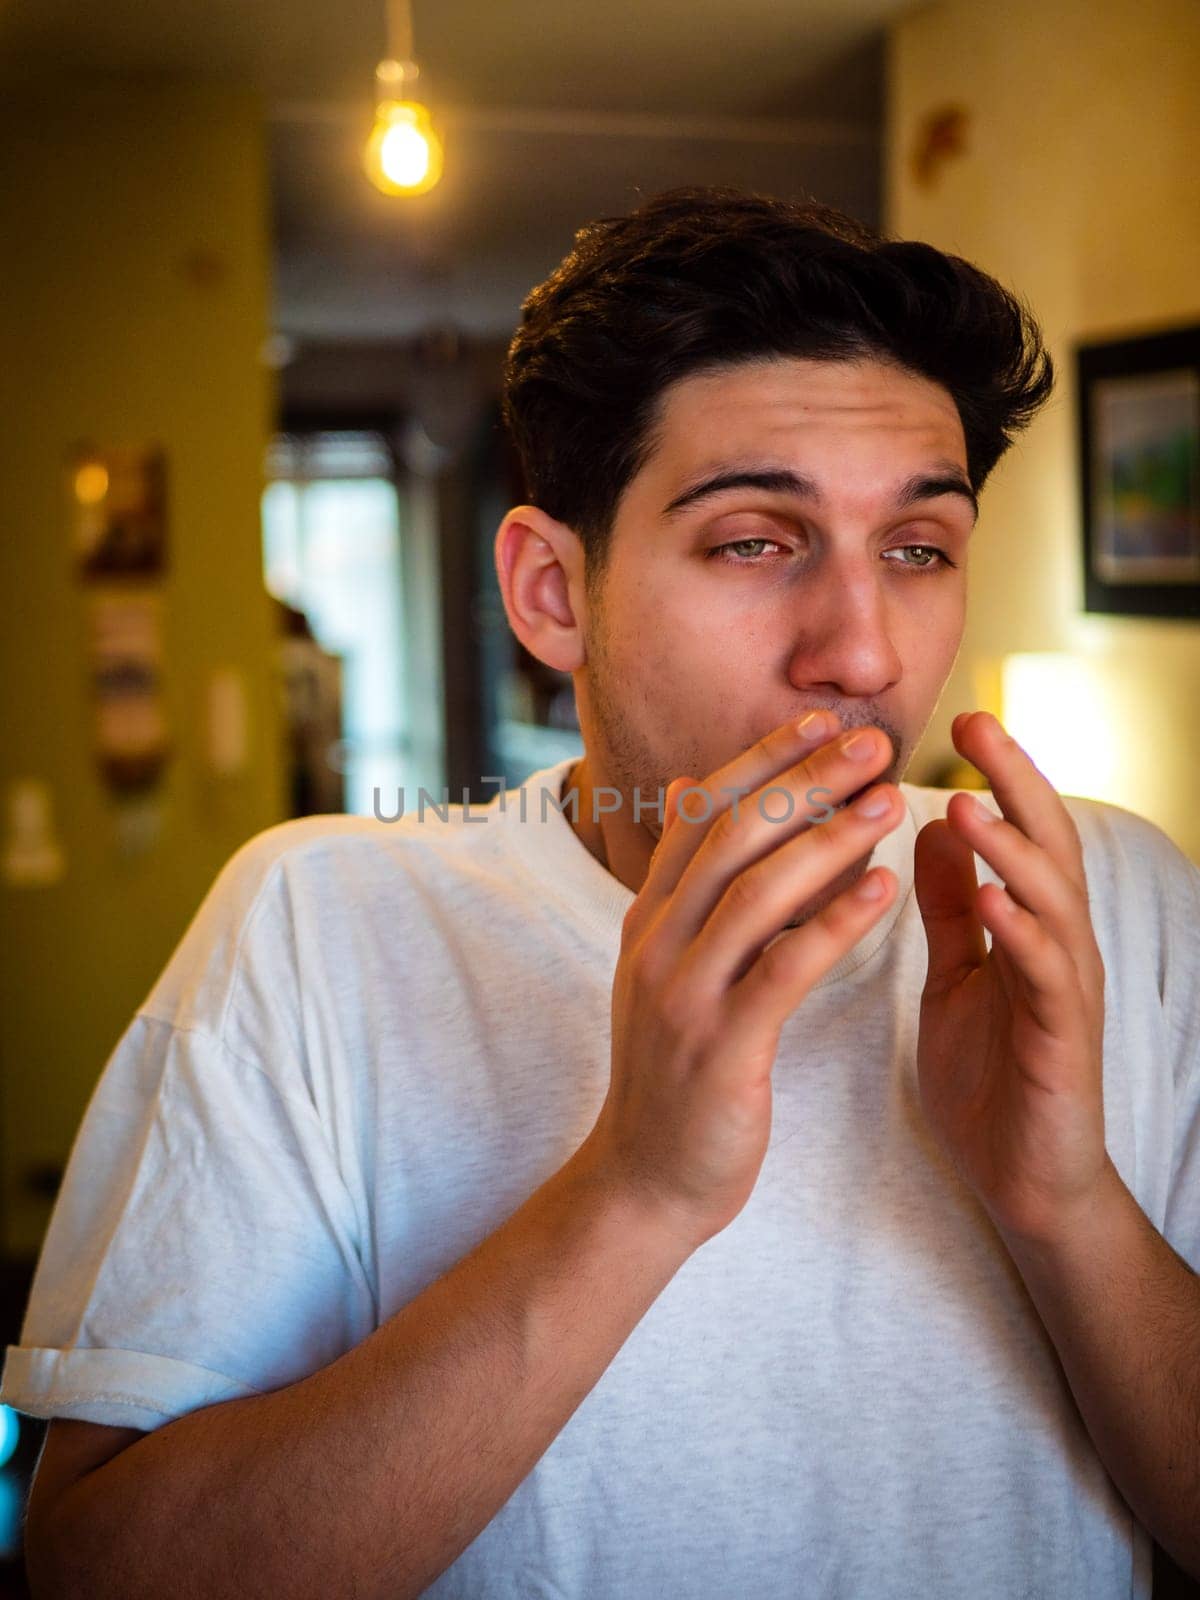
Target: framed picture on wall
point(1139, 440)
point(119, 499)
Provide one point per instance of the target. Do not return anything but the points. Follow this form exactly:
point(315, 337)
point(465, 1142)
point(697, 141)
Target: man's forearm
point(372, 1475)
point(1123, 1310)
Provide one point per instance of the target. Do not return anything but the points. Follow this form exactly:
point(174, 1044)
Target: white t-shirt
point(377, 1039)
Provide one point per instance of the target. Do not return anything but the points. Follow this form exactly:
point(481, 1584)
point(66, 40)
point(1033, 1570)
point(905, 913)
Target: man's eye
point(719, 552)
point(928, 550)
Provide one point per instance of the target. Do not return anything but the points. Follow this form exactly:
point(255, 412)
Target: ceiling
point(553, 114)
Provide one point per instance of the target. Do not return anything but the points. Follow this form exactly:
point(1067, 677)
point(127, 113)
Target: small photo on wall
point(119, 507)
point(1140, 467)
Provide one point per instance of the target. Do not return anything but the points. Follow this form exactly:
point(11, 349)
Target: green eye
point(720, 552)
point(941, 558)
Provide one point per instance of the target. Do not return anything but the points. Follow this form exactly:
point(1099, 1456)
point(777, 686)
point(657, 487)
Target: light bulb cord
point(399, 30)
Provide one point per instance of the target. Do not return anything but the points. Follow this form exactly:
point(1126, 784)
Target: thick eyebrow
point(783, 480)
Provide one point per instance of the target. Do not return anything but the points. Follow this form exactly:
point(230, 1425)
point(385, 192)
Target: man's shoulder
point(351, 865)
point(1115, 830)
point(295, 839)
point(1137, 875)
point(298, 841)
point(301, 887)
point(347, 841)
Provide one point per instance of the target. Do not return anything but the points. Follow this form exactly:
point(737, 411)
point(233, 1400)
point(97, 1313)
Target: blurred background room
point(252, 463)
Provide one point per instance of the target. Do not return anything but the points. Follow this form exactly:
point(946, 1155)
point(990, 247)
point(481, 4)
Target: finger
point(697, 805)
point(760, 901)
point(767, 819)
point(1048, 977)
point(670, 809)
point(1024, 794)
point(669, 805)
point(947, 889)
point(791, 965)
point(1032, 877)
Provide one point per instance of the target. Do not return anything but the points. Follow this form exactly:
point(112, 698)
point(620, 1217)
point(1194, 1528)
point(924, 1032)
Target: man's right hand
point(706, 977)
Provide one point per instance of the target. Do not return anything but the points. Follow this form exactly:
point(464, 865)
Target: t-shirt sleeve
point(204, 1245)
point(1145, 896)
point(1181, 1006)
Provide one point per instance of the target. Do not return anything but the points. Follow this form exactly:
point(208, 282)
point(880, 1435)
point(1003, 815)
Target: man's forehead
point(866, 383)
point(735, 425)
point(709, 420)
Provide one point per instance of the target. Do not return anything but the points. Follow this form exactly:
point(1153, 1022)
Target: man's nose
point(844, 637)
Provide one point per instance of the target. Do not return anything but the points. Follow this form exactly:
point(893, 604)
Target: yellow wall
point(111, 329)
point(1080, 189)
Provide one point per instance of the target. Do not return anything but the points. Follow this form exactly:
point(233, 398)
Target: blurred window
point(331, 549)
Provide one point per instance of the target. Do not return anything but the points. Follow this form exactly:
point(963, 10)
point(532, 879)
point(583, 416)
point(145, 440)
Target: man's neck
point(621, 846)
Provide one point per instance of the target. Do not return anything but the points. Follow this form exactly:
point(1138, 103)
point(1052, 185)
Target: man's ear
point(539, 565)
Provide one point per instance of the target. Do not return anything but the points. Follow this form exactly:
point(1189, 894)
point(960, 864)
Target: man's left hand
point(1010, 1046)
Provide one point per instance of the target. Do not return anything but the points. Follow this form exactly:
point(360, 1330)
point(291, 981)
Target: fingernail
point(816, 722)
point(870, 888)
point(860, 747)
point(984, 813)
point(873, 805)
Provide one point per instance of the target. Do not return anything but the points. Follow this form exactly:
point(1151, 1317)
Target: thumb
point(946, 886)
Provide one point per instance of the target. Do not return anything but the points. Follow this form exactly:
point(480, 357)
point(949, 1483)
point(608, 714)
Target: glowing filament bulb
point(403, 154)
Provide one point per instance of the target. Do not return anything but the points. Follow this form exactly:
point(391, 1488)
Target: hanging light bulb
point(403, 154)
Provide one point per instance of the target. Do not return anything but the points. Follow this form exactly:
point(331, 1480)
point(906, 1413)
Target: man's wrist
point(1076, 1231)
point(589, 1182)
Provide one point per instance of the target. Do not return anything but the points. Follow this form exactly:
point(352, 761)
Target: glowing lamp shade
point(1055, 707)
point(403, 155)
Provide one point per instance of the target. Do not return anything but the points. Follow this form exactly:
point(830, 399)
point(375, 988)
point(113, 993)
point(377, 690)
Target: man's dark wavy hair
point(701, 278)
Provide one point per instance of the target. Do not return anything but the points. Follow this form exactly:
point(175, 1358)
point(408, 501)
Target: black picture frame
point(1139, 465)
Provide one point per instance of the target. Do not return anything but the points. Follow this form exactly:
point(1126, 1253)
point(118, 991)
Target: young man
point(596, 1202)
